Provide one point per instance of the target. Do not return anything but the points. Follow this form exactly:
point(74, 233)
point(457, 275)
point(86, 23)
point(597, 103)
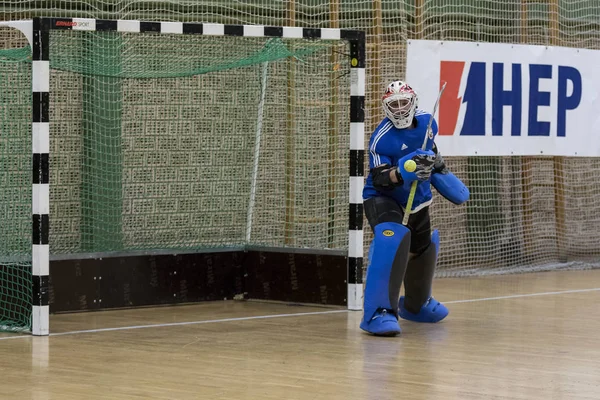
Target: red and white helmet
point(400, 102)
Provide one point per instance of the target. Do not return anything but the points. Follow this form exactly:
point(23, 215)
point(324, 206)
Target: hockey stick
point(413, 187)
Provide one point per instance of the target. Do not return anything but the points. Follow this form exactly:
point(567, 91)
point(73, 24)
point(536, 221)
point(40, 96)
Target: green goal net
point(171, 143)
point(154, 140)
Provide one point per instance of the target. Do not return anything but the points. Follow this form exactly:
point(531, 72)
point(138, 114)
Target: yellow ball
point(410, 166)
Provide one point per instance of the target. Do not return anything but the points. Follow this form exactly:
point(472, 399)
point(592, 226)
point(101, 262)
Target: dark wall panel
point(133, 281)
point(302, 278)
point(143, 280)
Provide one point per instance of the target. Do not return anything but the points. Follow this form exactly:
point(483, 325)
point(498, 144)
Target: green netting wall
point(516, 220)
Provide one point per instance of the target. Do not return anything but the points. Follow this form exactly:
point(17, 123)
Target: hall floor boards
point(531, 336)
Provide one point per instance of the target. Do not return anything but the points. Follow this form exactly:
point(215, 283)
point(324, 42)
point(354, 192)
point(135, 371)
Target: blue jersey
point(389, 144)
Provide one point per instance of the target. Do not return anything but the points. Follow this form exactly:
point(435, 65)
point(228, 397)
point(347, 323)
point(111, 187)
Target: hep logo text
point(463, 104)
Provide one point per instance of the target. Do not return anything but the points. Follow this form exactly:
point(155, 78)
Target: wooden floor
point(533, 336)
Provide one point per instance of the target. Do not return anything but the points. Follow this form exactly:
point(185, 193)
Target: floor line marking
point(212, 321)
point(516, 296)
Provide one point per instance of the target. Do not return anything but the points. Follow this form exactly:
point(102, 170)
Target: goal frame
point(37, 32)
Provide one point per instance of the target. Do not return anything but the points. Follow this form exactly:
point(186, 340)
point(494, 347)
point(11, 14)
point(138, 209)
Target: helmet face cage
point(400, 103)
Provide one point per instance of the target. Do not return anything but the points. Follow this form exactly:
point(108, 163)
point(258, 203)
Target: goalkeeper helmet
point(400, 102)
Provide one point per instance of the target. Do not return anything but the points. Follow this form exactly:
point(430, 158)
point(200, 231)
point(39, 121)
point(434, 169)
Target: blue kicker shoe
point(383, 323)
point(431, 311)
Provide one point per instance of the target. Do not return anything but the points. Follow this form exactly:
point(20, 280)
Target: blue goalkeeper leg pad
point(388, 259)
point(418, 305)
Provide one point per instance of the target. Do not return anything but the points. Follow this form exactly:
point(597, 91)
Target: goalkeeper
point(399, 253)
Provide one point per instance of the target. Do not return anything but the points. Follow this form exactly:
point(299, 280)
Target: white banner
point(504, 99)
